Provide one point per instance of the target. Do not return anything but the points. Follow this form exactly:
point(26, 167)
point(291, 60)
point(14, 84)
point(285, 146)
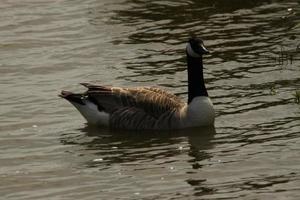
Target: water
point(48, 152)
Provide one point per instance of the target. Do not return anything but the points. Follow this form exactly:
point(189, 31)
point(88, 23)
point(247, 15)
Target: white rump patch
point(91, 113)
point(191, 52)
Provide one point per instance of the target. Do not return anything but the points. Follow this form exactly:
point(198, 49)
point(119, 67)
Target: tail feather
point(90, 110)
point(72, 97)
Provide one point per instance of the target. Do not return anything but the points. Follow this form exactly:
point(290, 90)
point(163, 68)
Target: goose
point(149, 108)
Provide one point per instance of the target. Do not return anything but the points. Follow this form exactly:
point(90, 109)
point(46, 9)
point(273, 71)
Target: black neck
point(196, 85)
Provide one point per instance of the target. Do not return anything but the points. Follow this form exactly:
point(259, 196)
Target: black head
point(196, 48)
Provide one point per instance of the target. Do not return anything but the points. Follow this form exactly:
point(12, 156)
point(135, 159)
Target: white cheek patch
point(191, 52)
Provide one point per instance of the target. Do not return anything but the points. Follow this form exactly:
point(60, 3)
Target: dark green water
point(48, 152)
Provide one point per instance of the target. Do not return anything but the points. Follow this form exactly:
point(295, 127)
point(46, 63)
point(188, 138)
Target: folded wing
point(136, 108)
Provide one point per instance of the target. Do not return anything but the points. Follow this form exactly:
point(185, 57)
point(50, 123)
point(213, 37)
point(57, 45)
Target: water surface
point(48, 152)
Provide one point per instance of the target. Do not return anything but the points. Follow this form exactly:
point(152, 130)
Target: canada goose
point(149, 108)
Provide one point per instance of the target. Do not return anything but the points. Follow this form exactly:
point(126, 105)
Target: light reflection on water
point(46, 150)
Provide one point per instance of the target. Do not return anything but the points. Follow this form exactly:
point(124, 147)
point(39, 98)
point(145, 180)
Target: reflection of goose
point(149, 107)
point(123, 146)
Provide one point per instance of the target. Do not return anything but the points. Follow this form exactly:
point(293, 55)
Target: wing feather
point(151, 100)
point(137, 108)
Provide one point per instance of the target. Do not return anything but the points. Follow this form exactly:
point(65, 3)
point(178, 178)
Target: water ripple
point(47, 152)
